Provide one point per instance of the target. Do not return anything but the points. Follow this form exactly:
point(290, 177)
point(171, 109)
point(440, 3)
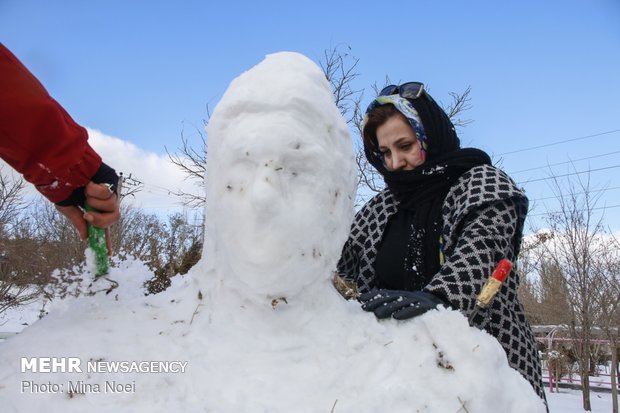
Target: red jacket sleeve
point(38, 137)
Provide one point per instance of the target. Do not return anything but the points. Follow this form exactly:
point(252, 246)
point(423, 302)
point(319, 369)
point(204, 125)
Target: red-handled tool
point(491, 287)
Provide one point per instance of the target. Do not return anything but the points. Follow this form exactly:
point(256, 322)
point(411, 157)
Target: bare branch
point(131, 186)
point(12, 202)
point(460, 103)
point(340, 69)
point(193, 163)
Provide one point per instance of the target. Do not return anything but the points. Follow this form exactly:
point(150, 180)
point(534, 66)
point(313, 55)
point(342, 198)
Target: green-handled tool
point(97, 243)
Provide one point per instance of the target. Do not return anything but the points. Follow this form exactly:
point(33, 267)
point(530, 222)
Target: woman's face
point(399, 146)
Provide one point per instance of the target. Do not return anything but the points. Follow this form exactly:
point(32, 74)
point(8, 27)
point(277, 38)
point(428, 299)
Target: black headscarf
point(424, 189)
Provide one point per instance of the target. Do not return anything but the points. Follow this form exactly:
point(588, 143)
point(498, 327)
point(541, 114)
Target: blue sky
point(540, 71)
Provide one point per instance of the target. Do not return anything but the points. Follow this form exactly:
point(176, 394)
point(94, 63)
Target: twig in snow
point(463, 407)
point(194, 315)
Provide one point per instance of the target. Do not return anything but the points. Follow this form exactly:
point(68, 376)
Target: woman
point(444, 221)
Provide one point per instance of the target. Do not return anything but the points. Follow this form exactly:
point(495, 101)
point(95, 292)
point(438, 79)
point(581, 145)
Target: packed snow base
point(257, 320)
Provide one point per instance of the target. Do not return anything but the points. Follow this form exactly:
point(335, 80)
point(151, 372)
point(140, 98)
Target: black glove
point(400, 305)
point(104, 175)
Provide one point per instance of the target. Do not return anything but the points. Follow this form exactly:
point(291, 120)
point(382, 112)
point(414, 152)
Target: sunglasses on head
point(409, 90)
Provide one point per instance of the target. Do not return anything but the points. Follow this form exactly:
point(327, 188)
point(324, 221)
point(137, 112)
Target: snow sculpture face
point(280, 179)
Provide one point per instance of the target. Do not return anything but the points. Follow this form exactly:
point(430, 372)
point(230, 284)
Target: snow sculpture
point(257, 324)
point(280, 180)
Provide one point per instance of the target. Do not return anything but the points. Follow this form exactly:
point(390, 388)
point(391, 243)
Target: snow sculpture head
point(280, 179)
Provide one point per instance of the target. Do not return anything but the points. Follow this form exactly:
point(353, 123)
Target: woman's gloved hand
point(398, 304)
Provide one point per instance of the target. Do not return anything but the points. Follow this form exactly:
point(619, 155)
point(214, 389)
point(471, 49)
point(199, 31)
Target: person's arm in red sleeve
point(41, 141)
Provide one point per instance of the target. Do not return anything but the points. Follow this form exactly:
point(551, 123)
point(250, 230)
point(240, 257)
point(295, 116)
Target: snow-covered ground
point(570, 401)
point(256, 326)
point(600, 381)
point(131, 274)
point(16, 319)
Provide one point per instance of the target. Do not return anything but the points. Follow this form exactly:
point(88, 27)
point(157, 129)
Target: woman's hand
point(398, 304)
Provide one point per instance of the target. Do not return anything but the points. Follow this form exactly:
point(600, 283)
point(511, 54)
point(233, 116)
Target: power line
point(564, 175)
point(560, 142)
point(563, 163)
point(581, 210)
point(579, 193)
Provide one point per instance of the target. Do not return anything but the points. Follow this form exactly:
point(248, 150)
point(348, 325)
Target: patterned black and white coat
point(483, 216)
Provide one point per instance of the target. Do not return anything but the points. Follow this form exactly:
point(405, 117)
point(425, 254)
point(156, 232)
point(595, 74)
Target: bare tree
point(193, 163)
point(461, 102)
point(130, 186)
point(554, 294)
point(608, 303)
point(528, 295)
point(134, 233)
point(179, 249)
point(340, 69)
point(14, 288)
point(543, 290)
point(11, 199)
point(575, 249)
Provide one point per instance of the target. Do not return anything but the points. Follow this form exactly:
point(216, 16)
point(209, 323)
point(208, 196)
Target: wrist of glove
point(398, 304)
point(104, 175)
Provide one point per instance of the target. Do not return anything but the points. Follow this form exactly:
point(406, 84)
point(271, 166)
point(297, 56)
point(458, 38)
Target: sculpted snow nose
point(264, 191)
